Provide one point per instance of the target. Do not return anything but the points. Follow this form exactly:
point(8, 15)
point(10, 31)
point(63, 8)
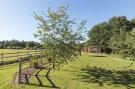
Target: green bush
point(34, 62)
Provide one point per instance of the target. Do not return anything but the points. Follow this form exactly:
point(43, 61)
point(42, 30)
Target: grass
point(13, 50)
point(86, 72)
point(7, 72)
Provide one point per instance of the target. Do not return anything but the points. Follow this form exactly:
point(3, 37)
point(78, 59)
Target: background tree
point(130, 42)
point(133, 23)
point(100, 35)
point(119, 26)
point(58, 35)
point(113, 34)
point(15, 44)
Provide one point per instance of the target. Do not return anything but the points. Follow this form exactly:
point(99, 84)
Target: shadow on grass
point(38, 77)
point(111, 77)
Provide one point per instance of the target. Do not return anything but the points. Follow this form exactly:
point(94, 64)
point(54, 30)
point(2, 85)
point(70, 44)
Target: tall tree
point(119, 26)
point(57, 32)
point(100, 35)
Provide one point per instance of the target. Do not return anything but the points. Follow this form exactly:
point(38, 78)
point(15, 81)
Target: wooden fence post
point(27, 79)
point(41, 57)
point(2, 56)
point(36, 51)
point(20, 71)
point(28, 54)
point(30, 60)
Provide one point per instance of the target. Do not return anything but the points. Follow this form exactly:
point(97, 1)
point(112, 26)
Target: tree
point(118, 43)
point(130, 41)
point(133, 23)
point(119, 26)
point(119, 23)
point(100, 35)
point(112, 34)
point(57, 33)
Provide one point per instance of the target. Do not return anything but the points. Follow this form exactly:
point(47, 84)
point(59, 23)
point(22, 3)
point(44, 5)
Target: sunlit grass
point(88, 72)
point(7, 73)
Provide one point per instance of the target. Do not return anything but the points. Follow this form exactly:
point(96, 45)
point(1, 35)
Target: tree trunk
point(54, 64)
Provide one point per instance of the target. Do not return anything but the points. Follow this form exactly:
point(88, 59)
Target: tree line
point(118, 33)
point(15, 44)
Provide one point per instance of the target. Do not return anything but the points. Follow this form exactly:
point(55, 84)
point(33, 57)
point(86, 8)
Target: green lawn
point(7, 72)
point(87, 72)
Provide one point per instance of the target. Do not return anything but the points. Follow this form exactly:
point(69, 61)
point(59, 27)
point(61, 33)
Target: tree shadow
point(38, 77)
point(111, 77)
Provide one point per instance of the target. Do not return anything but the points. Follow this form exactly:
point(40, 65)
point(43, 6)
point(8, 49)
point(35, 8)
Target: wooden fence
point(9, 58)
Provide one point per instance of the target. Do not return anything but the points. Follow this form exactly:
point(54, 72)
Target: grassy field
point(13, 50)
point(7, 72)
point(86, 72)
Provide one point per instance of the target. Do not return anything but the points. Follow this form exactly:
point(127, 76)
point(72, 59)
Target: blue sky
point(17, 22)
